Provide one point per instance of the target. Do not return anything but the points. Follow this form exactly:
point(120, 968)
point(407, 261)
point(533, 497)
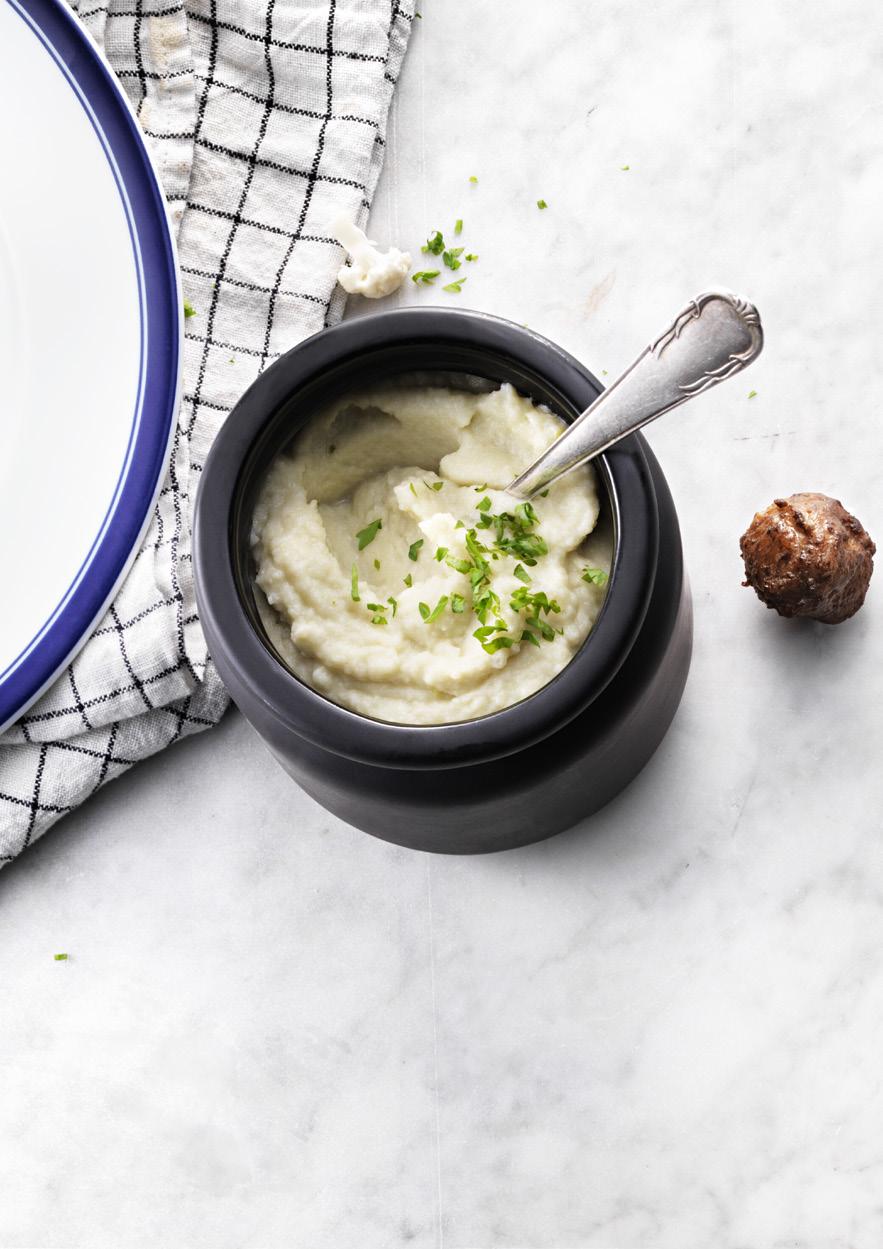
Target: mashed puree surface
point(421, 461)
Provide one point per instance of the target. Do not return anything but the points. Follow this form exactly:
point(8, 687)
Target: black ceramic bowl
point(509, 778)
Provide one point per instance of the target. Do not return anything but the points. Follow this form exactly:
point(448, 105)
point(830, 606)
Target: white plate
point(90, 337)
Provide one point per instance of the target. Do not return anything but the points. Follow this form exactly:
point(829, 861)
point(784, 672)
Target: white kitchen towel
point(266, 121)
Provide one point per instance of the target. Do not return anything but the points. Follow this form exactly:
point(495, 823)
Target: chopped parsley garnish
point(454, 287)
point(60, 958)
point(435, 244)
point(509, 534)
point(379, 610)
point(413, 489)
point(458, 226)
point(394, 602)
point(431, 615)
point(189, 310)
point(594, 576)
point(485, 602)
point(452, 257)
point(520, 540)
point(433, 485)
point(470, 256)
point(751, 394)
point(409, 580)
point(490, 643)
point(625, 168)
point(354, 584)
point(426, 276)
point(377, 564)
point(473, 179)
point(534, 605)
point(369, 533)
point(525, 512)
point(414, 549)
point(541, 203)
point(483, 486)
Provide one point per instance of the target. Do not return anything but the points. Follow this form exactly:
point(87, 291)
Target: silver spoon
point(715, 337)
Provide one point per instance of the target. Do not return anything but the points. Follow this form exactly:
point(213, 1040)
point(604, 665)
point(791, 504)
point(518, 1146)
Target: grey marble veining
point(659, 1029)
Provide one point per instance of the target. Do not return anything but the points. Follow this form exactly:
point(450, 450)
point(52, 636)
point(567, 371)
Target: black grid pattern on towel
point(265, 121)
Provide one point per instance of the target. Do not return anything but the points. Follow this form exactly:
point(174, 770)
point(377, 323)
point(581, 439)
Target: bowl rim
point(245, 660)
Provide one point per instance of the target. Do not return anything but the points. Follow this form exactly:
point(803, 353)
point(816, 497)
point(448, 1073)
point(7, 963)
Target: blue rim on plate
point(161, 326)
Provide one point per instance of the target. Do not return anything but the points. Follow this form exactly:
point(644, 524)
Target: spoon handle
point(713, 338)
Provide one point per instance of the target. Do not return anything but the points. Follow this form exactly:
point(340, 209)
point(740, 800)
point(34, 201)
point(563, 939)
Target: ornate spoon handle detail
point(715, 337)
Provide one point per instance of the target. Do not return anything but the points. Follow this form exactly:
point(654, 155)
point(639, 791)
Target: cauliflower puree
point(401, 580)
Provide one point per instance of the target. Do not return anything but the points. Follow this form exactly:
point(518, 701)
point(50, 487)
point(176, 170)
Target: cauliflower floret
point(372, 273)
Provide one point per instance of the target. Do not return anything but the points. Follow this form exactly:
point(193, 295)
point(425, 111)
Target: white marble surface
point(661, 1029)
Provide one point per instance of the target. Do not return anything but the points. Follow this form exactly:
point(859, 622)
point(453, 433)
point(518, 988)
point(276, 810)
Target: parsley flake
point(414, 549)
point(458, 226)
point(493, 644)
point(458, 604)
point(435, 244)
point(354, 584)
point(751, 394)
point(470, 256)
point(60, 958)
point(541, 203)
point(189, 310)
point(426, 276)
point(440, 553)
point(409, 580)
point(429, 616)
point(594, 576)
point(535, 606)
point(452, 257)
point(520, 541)
point(473, 179)
point(454, 287)
point(369, 533)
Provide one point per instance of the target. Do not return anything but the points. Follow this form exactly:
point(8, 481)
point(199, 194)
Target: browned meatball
point(806, 556)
